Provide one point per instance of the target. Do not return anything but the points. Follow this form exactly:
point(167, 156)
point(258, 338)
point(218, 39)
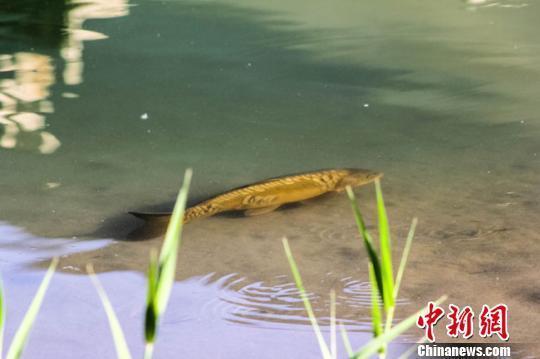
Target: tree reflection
point(36, 36)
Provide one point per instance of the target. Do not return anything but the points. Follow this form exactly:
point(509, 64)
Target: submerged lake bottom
point(235, 297)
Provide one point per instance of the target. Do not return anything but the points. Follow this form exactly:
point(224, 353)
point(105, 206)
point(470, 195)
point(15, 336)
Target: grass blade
point(21, 336)
point(307, 304)
point(368, 242)
point(346, 341)
point(405, 256)
point(2, 316)
point(386, 251)
point(151, 312)
point(169, 250)
point(161, 271)
point(120, 343)
point(389, 335)
point(148, 350)
point(333, 341)
point(376, 317)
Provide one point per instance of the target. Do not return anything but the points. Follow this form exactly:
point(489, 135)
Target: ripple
point(333, 235)
point(356, 293)
point(277, 303)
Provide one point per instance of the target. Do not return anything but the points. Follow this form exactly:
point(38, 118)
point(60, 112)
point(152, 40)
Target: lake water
point(104, 104)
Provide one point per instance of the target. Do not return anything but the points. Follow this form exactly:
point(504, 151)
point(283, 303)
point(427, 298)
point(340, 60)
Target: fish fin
point(258, 211)
point(148, 216)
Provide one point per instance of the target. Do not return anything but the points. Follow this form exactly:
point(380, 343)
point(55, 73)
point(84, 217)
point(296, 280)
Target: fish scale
point(266, 196)
point(261, 195)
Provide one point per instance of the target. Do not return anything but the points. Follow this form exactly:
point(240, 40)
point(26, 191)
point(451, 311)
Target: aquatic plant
point(18, 342)
point(160, 279)
point(384, 289)
point(381, 274)
point(162, 270)
point(122, 349)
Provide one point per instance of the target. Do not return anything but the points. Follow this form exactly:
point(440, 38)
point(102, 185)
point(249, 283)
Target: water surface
point(104, 104)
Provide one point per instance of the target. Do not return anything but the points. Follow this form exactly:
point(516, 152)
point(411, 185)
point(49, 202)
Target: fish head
point(357, 177)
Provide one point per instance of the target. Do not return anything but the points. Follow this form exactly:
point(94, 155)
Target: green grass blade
point(386, 251)
point(346, 341)
point(333, 341)
point(2, 316)
point(376, 317)
point(122, 350)
point(169, 250)
point(151, 312)
point(404, 257)
point(368, 241)
point(161, 271)
point(21, 336)
point(373, 346)
point(148, 350)
point(307, 304)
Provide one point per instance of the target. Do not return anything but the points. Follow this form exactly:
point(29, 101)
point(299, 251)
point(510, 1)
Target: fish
point(267, 196)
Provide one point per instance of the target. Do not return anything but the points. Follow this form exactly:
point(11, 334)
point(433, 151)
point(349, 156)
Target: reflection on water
point(232, 302)
point(73, 44)
point(20, 248)
point(513, 4)
point(27, 77)
point(192, 327)
point(24, 102)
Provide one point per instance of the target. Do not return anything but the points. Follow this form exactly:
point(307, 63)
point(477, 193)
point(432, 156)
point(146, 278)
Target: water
point(105, 103)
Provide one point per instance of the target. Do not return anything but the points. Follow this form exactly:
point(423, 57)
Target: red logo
point(494, 321)
point(461, 321)
point(429, 320)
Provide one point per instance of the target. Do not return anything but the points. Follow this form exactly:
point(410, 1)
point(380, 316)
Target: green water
point(104, 105)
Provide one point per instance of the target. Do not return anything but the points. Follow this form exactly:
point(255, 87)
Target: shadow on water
point(130, 228)
point(124, 226)
point(29, 24)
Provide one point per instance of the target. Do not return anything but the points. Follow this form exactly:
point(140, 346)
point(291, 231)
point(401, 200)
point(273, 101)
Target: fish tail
point(200, 211)
point(151, 216)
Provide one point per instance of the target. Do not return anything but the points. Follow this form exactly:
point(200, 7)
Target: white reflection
point(73, 45)
point(24, 96)
point(493, 3)
point(16, 241)
point(49, 143)
point(29, 121)
point(34, 74)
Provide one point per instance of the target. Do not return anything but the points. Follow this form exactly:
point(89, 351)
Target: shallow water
point(104, 104)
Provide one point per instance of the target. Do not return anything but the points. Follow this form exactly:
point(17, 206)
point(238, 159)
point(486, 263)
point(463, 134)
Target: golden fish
point(266, 196)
